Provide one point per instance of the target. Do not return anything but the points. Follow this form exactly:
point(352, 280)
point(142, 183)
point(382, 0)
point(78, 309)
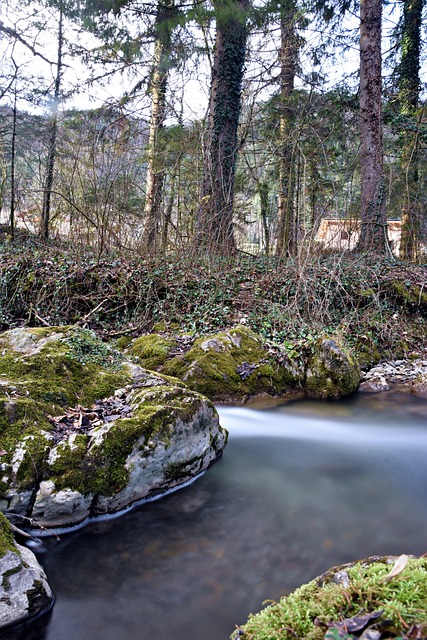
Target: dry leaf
point(398, 567)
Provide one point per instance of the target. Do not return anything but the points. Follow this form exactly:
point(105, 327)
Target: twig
point(20, 532)
point(88, 315)
point(34, 313)
point(33, 523)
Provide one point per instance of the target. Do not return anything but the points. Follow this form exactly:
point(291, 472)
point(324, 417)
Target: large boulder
point(331, 371)
point(85, 432)
point(381, 597)
point(24, 590)
point(233, 365)
point(236, 364)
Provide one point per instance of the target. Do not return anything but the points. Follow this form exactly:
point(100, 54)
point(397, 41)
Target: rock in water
point(332, 372)
point(24, 591)
point(91, 433)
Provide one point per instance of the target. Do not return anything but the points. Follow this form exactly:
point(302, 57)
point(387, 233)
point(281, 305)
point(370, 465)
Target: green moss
point(411, 294)
point(69, 455)
point(366, 352)
point(152, 351)
point(233, 363)
point(101, 468)
point(74, 368)
point(403, 599)
point(123, 342)
point(28, 433)
point(332, 371)
point(35, 446)
point(7, 542)
point(7, 575)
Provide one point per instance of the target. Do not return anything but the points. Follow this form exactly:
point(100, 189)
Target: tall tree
point(166, 13)
point(409, 90)
point(53, 129)
point(290, 43)
point(373, 218)
point(215, 212)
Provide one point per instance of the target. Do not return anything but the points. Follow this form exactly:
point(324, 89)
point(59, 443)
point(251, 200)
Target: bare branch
point(14, 34)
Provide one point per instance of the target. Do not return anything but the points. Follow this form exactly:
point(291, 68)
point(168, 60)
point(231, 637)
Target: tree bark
point(286, 231)
point(166, 11)
point(215, 213)
point(373, 219)
point(409, 89)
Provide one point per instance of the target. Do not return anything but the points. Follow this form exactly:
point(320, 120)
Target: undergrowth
point(358, 297)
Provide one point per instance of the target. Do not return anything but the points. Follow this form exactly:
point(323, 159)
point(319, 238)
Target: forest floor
point(373, 304)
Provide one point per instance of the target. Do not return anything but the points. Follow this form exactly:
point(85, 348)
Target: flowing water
point(301, 487)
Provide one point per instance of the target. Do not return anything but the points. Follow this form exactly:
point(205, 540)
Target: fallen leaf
point(398, 567)
point(357, 623)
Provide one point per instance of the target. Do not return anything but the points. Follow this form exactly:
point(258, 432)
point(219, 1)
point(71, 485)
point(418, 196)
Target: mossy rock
point(332, 371)
point(234, 365)
point(410, 294)
point(152, 351)
point(24, 590)
point(145, 434)
point(358, 592)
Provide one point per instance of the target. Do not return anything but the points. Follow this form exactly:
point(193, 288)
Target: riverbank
point(376, 307)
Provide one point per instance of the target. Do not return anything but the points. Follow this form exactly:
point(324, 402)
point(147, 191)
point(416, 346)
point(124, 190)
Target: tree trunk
point(215, 212)
point(373, 219)
point(262, 189)
point(53, 131)
point(166, 11)
point(286, 232)
point(409, 89)
point(12, 170)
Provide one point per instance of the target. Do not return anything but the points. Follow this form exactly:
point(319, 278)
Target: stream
point(301, 487)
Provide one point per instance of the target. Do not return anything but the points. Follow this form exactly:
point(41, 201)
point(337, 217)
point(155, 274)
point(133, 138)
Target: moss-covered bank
point(391, 606)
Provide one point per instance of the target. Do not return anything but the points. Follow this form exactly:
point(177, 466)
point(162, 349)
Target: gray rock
point(374, 385)
point(24, 590)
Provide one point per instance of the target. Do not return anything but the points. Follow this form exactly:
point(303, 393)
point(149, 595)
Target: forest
point(233, 162)
point(234, 126)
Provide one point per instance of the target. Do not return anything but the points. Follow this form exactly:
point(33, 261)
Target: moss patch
point(403, 600)
point(100, 468)
point(332, 371)
point(44, 371)
point(231, 364)
point(410, 294)
point(152, 351)
point(7, 542)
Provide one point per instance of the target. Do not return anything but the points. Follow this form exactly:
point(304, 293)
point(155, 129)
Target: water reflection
point(300, 488)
